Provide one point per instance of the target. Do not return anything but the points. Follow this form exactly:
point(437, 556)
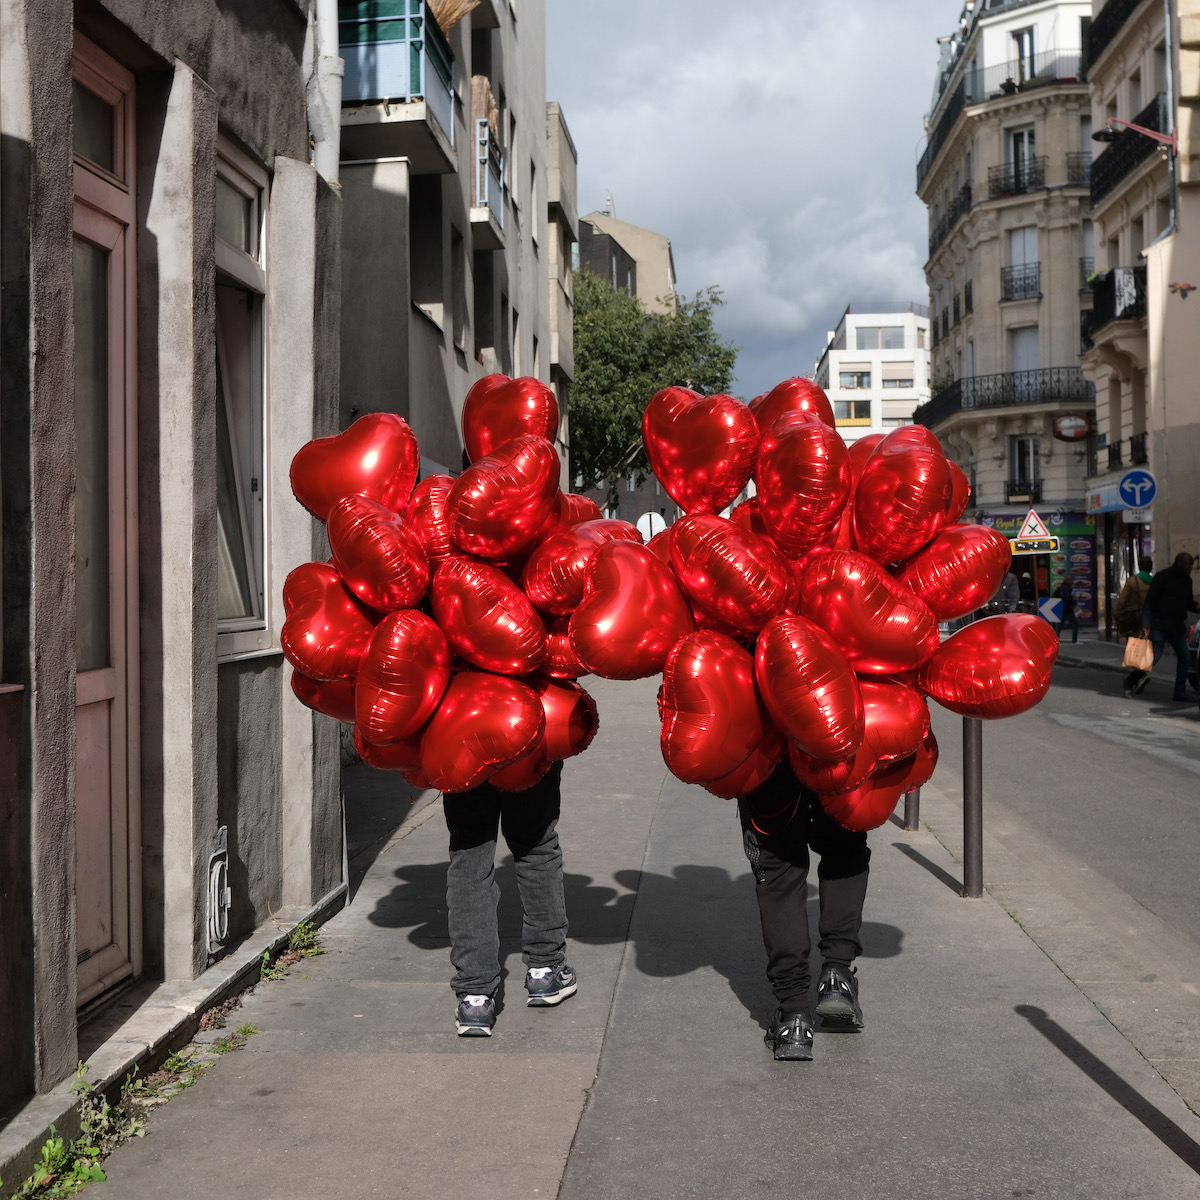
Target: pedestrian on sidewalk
point(529, 822)
point(1128, 613)
point(1010, 593)
point(1168, 601)
point(780, 821)
point(1066, 593)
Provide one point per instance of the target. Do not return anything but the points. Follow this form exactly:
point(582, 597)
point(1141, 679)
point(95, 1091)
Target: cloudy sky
point(774, 143)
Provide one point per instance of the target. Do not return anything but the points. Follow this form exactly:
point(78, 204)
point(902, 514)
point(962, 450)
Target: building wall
point(562, 235)
point(655, 282)
point(603, 255)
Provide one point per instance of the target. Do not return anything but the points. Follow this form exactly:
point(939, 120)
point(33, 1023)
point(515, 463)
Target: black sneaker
point(837, 997)
point(790, 1036)
point(1140, 686)
point(475, 1016)
point(549, 985)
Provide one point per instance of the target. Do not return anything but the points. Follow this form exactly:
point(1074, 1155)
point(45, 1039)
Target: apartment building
point(652, 280)
point(1005, 176)
point(458, 183)
point(875, 367)
point(1139, 340)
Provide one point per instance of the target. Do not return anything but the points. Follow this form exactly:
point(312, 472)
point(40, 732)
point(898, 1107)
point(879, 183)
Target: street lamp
point(1110, 134)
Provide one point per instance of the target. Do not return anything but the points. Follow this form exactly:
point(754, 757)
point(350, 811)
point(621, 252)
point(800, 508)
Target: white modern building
point(875, 367)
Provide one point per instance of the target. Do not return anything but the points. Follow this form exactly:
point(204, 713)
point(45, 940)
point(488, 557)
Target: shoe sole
point(838, 1014)
point(473, 1030)
point(550, 1000)
point(792, 1053)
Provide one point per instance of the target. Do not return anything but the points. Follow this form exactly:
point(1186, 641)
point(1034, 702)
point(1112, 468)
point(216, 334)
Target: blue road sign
point(1051, 610)
point(1137, 488)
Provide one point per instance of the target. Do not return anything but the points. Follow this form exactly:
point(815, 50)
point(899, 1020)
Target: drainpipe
point(324, 87)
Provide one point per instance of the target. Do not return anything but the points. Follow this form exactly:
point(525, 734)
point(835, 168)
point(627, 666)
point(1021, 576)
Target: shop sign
point(1137, 516)
point(1072, 427)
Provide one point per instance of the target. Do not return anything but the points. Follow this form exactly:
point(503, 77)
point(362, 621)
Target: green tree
point(623, 355)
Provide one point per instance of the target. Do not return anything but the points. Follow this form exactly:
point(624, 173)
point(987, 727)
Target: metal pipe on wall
point(324, 89)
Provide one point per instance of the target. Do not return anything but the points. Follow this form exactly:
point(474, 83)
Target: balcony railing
point(489, 171)
point(1129, 149)
point(959, 206)
point(1107, 24)
point(1114, 455)
point(1087, 268)
point(1051, 385)
point(1021, 283)
point(968, 298)
point(1137, 450)
point(1017, 178)
point(393, 50)
point(1023, 489)
point(1079, 168)
point(1117, 295)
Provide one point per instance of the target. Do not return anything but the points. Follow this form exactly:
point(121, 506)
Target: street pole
point(972, 807)
point(912, 809)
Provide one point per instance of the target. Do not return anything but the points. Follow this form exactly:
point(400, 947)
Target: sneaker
point(837, 997)
point(1129, 693)
point(550, 985)
point(1140, 686)
point(790, 1037)
point(475, 1016)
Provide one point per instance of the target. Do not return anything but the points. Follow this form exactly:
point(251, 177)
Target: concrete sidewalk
point(983, 1071)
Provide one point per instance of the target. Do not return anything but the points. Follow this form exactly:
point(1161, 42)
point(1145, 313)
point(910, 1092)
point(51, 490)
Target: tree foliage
point(623, 355)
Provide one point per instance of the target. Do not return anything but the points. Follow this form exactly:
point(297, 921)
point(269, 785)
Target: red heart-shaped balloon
point(499, 505)
point(487, 618)
point(879, 624)
point(959, 571)
point(631, 615)
point(660, 543)
point(401, 678)
point(748, 517)
point(712, 715)
point(498, 409)
point(483, 723)
point(524, 773)
point(326, 631)
point(803, 477)
point(735, 576)
point(753, 771)
point(792, 395)
point(997, 667)
point(382, 562)
point(571, 716)
point(426, 516)
point(377, 457)
point(960, 493)
point(561, 661)
point(860, 450)
point(924, 763)
point(809, 688)
point(701, 448)
point(902, 496)
point(334, 699)
point(896, 720)
point(553, 574)
point(870, 804)
point(574, 510)
point(404, 757)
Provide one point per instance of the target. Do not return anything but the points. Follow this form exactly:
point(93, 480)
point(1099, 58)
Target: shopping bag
point(1139, 654)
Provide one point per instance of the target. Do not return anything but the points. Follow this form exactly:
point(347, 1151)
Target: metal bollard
point(912, 809)
point(972, 807)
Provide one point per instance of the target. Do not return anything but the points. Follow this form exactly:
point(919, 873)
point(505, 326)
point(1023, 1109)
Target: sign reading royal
point(1137, 488)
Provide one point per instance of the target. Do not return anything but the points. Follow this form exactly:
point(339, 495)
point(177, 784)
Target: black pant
point(780, 821)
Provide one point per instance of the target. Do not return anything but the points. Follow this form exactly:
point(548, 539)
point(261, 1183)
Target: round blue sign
point(1137, 488)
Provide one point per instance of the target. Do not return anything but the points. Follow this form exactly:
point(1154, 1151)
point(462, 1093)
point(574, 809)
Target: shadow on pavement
point(937, 872)
point(1133, 1102)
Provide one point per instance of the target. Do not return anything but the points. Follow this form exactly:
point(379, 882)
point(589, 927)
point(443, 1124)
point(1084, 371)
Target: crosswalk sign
point(1034, 527)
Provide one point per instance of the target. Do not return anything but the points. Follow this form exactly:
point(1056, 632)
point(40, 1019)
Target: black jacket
point(1168, 602)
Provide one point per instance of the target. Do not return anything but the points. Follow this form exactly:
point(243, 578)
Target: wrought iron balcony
point(1114, 455)
point(958, 207)
point(1021, 283)
point(1107, 24)
point(1023, 489)
point(968, 297)
point(1117, 295)
point(1137, 450)
point(1017, 178)
point(1079, 168)
point(1051, 385)
point(1129, 149)
point(1087, 268)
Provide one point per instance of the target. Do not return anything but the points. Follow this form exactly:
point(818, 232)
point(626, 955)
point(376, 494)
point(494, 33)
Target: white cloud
point(775, 144)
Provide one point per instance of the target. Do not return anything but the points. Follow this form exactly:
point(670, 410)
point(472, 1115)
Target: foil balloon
point(753, 771)
point(859, 452)
point(483, 723)
point(896, 720)
point(334, 699)
point(524, 773)
point(902, 497)
point(377, 457)
point(960, 493)
point(735, 576)
point(660, 543)
point(702, 449)
point(712, 715)
point(561, 662)
point(870, 804)
point(924, 763)
point(404, 757)
point(747, 516)
point(571, 717)
point(486, 618)
point(326, 630)
point(426, 516)
point(809, 688)
point(498, 409)
point(382, 561)
point(997, 667)
point(499, 504)
point(959, 571)
point(879, 624)
point(553, 574)
point(401, 678)
point(803, 477)
point(792, 395)
point(574, 510)
point(631, 615)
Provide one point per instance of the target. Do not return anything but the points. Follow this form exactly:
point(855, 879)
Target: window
point(458, 288)
point(1022, 146)
point(897, 383)
point(484, 313)
point(1023, 54)
point(1022, 460)
point(852, 412)
point(1023, 246)
point(242, 469)
point(877, 337)
point(897, 375)
point(533, 203)
point(854, 379)
point(1023, 348)
point(896, 422)
point(426, 242)
point(920, 338)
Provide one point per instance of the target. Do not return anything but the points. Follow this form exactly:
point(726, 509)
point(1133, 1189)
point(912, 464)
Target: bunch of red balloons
point(806, 622)
point(439, 626)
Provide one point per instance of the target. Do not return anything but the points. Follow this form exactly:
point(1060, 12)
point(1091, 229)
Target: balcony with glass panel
point(487, 203)
point(398, 90)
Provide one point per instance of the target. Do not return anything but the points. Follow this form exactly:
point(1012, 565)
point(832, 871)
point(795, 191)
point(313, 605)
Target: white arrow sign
point(1051, 610)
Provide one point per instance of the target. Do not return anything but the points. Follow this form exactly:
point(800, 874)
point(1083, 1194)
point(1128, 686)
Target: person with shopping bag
point(1168, 601)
